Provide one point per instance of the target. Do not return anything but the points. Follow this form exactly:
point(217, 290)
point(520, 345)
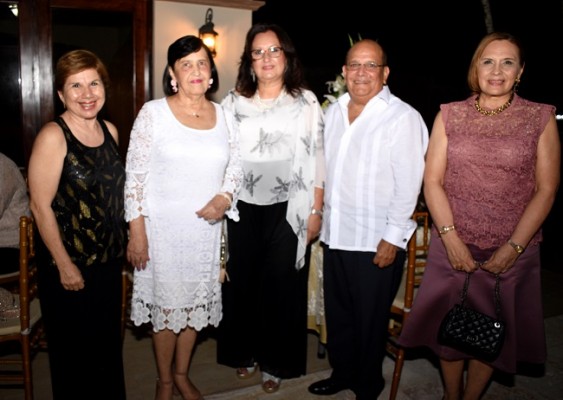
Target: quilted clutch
point(471, 331)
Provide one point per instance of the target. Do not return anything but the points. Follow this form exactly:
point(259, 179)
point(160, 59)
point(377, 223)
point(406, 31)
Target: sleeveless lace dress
point(489, 180)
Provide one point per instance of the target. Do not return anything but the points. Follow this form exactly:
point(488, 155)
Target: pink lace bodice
point(490, 177)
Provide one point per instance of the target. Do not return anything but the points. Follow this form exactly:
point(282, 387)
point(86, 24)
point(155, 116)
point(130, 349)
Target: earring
point(174, 85)
point(210, 82)
point(253, 75)
point(516, 83)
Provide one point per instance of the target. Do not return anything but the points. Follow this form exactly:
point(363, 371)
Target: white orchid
point(336, 88)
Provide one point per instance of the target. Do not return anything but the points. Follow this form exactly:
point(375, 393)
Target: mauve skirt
point(521, 306)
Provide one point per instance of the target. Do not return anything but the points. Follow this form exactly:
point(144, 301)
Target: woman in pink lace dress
point(491, 176)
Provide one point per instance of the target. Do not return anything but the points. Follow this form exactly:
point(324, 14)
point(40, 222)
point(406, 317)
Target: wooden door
point(119, 31)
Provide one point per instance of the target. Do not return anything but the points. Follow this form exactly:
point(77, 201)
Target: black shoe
point(326, 387)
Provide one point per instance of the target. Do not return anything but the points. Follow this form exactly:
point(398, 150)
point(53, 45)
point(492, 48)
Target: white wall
point(173, 20)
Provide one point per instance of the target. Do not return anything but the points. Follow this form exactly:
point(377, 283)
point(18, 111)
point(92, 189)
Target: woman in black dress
point(76, 180)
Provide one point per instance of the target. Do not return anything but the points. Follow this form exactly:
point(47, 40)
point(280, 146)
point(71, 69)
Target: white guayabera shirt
point(374, 173)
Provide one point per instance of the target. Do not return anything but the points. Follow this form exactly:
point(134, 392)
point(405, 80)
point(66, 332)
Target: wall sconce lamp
point(207, 34)
point(14, 9)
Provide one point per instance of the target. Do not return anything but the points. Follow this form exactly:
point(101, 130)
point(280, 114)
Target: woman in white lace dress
point(183, 175)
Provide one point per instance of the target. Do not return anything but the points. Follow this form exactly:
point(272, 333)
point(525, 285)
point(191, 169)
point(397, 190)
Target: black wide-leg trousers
point(265, 301)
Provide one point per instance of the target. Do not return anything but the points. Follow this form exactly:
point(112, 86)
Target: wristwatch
point(314, 211)
point(517, 248)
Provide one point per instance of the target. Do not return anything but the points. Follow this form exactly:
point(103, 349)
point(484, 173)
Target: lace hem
point(197, 316)
point(203, 308)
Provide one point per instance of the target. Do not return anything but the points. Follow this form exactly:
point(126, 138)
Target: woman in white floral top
point(280, 205)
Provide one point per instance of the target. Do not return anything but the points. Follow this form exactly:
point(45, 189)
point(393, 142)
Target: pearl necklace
point(496, 110)
point(267, 104)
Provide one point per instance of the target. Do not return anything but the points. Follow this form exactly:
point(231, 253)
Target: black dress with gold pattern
point(89, 201)
point(83, 327)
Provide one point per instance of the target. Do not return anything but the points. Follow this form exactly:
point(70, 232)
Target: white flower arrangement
point(337, 87)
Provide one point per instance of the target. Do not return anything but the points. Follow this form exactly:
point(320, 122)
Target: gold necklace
point(496, 110)
point(196, 113)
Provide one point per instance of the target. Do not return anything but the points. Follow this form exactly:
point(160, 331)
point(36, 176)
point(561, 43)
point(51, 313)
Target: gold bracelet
point(445, 229)
point(225, 195)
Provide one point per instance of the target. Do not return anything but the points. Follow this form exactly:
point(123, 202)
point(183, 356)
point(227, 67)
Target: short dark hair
point(180, 48)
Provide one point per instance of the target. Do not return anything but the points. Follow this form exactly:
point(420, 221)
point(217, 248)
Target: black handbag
point(473, 332)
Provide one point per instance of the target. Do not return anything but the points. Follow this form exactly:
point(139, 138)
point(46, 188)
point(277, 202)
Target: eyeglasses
point(273, 51)
point(369, 66)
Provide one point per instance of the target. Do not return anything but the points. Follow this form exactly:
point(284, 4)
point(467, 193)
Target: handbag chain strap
point(224, 243)
point(497, 292)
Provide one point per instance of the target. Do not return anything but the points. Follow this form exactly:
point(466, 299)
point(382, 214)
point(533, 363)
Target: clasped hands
point(461, 259)
point(215, 209)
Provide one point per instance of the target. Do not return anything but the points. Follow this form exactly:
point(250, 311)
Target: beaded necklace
point(496, 110)
point(266, 104)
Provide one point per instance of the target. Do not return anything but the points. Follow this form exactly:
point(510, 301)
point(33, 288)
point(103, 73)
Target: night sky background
point(429, 46)
point(429, 43)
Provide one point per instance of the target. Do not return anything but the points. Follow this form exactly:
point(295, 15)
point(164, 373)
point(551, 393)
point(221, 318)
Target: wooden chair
point(25, 331)
point(417, 252)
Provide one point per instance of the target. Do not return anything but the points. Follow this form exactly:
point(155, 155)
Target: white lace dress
point(173, 171)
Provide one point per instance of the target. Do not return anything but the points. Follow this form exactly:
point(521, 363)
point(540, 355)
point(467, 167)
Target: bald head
point(365, 71)
point(367, 44)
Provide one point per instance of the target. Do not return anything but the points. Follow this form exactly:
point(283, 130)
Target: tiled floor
point(420, 379)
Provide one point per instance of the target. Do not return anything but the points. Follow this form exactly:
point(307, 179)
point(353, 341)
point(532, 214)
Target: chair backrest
point(416, 256)
point(29, 302)
point(417, 253)
point(25, 328)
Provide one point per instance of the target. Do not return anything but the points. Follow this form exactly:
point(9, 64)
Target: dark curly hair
point(293, 77)
point(180, 48)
